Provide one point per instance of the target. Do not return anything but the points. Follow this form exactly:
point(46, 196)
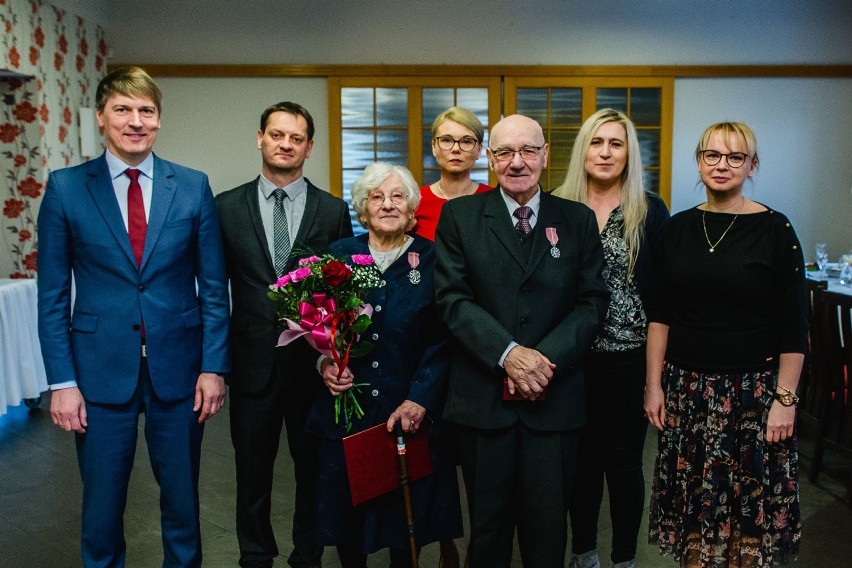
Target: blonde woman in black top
point(726, 339)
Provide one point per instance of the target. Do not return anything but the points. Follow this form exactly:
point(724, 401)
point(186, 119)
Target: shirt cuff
point(63, 385)
point(505, 353)
point(320, 359)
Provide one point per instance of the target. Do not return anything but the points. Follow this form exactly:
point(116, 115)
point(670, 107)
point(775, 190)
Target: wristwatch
point(786, 398)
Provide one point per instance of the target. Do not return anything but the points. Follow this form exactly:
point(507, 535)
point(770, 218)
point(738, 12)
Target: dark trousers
point(611, 446)
point(517, 477)
point(256, 420)
point(105, 455)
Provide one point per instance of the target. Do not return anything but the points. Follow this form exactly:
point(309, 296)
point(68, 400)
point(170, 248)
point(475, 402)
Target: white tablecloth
point(834, 284)
point(21, 367)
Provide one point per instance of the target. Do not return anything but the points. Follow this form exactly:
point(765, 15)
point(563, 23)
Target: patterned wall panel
point(61, 58)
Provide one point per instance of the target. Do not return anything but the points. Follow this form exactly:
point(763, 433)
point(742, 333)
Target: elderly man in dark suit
point(518, 283)
point(147, 329)
point(266, 223)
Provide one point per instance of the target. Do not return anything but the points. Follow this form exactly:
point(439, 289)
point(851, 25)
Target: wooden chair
point(808, 404)
point(831, 362)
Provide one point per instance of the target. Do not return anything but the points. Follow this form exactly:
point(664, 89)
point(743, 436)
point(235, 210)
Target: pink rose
point(362, 259)
point(283, 281)
point(299, 274)
point(309, 260)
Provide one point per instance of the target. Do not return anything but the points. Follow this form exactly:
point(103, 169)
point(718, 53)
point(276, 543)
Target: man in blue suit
point(147, 327)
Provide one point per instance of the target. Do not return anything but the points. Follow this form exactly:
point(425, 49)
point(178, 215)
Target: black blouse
point(737, 308)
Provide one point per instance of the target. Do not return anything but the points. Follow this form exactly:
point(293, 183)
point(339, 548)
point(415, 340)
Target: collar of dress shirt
point(533, 204)
point(293, 190)
point(117, 167)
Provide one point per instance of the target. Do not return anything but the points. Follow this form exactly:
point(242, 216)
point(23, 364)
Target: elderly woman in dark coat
point(406, 372)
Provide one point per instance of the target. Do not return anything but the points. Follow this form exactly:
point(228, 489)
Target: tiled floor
point(40, 500)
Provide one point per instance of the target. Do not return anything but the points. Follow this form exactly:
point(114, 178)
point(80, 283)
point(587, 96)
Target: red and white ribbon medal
point(414, 262)
point(553, 238)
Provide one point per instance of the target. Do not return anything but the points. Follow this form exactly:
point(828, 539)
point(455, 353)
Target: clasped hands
point(528, 371)
point(409, 414)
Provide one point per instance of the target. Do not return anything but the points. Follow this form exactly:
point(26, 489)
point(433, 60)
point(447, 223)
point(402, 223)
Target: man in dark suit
point(264, 235)
point(518, 282)
point(137, 236)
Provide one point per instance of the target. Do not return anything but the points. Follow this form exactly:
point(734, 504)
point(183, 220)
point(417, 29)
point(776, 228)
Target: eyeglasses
point(507, 154)
point(734, 159)
point(378, 198)
point(466, 144)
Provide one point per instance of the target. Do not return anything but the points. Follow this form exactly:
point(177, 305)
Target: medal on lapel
point(414, 262)
point(553, 238)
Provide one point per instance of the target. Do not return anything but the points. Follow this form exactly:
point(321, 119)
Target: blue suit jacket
point(408, 360)
point(180, 290)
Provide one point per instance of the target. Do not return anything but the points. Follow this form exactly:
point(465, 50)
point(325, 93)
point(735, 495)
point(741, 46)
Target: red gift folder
point(372, 462)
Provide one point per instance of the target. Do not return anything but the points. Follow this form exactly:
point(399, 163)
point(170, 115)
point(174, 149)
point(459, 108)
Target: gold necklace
point(704, 224)
point(470, 190)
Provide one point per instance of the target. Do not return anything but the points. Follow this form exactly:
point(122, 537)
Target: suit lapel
point(540, 244)
point(308, 217)
point(162, 195)
point(253, 208)
point(497, 217)
point(102, 191)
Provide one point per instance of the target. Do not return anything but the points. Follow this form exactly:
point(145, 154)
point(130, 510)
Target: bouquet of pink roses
point(323, 300)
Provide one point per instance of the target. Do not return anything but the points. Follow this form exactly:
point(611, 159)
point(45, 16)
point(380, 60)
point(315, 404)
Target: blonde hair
point(130, 82)
point(464, 117)
point(737, 129)
point(634, 204)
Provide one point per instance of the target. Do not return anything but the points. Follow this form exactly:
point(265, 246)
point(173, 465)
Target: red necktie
point(137, 226)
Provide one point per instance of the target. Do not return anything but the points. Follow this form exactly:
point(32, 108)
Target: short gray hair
point(375, 175)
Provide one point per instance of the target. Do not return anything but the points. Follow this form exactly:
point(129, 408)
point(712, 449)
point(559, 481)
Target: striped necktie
point(281, 233)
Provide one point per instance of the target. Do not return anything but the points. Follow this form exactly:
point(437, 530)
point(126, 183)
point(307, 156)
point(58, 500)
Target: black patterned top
point(625, 326)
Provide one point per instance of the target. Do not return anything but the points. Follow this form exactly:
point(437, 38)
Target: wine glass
point(846, 269)
point(821, 259)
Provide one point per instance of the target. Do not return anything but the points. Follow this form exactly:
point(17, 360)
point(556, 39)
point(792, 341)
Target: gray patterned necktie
point(280, 232)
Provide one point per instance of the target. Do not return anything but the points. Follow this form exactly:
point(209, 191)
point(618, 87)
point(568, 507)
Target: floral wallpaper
point(51, 62)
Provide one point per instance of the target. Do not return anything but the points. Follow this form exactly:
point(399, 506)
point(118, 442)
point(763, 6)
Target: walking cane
point(406, 491)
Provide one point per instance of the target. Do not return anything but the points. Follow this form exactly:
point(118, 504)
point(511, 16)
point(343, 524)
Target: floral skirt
point(721, 495)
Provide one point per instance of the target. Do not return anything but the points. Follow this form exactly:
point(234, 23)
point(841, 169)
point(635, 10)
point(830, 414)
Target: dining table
point(22, 374)
point(832, 281)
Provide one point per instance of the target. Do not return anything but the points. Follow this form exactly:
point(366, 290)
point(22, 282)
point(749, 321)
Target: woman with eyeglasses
point(605, 173)
point(407, 376)
point(726, 344)
point(457, 137)
point(456, 144)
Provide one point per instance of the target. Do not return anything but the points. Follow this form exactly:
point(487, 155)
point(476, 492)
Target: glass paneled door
point(393, 123)
point(561, 104)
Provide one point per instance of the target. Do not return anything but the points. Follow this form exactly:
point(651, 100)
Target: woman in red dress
point(456, 144)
